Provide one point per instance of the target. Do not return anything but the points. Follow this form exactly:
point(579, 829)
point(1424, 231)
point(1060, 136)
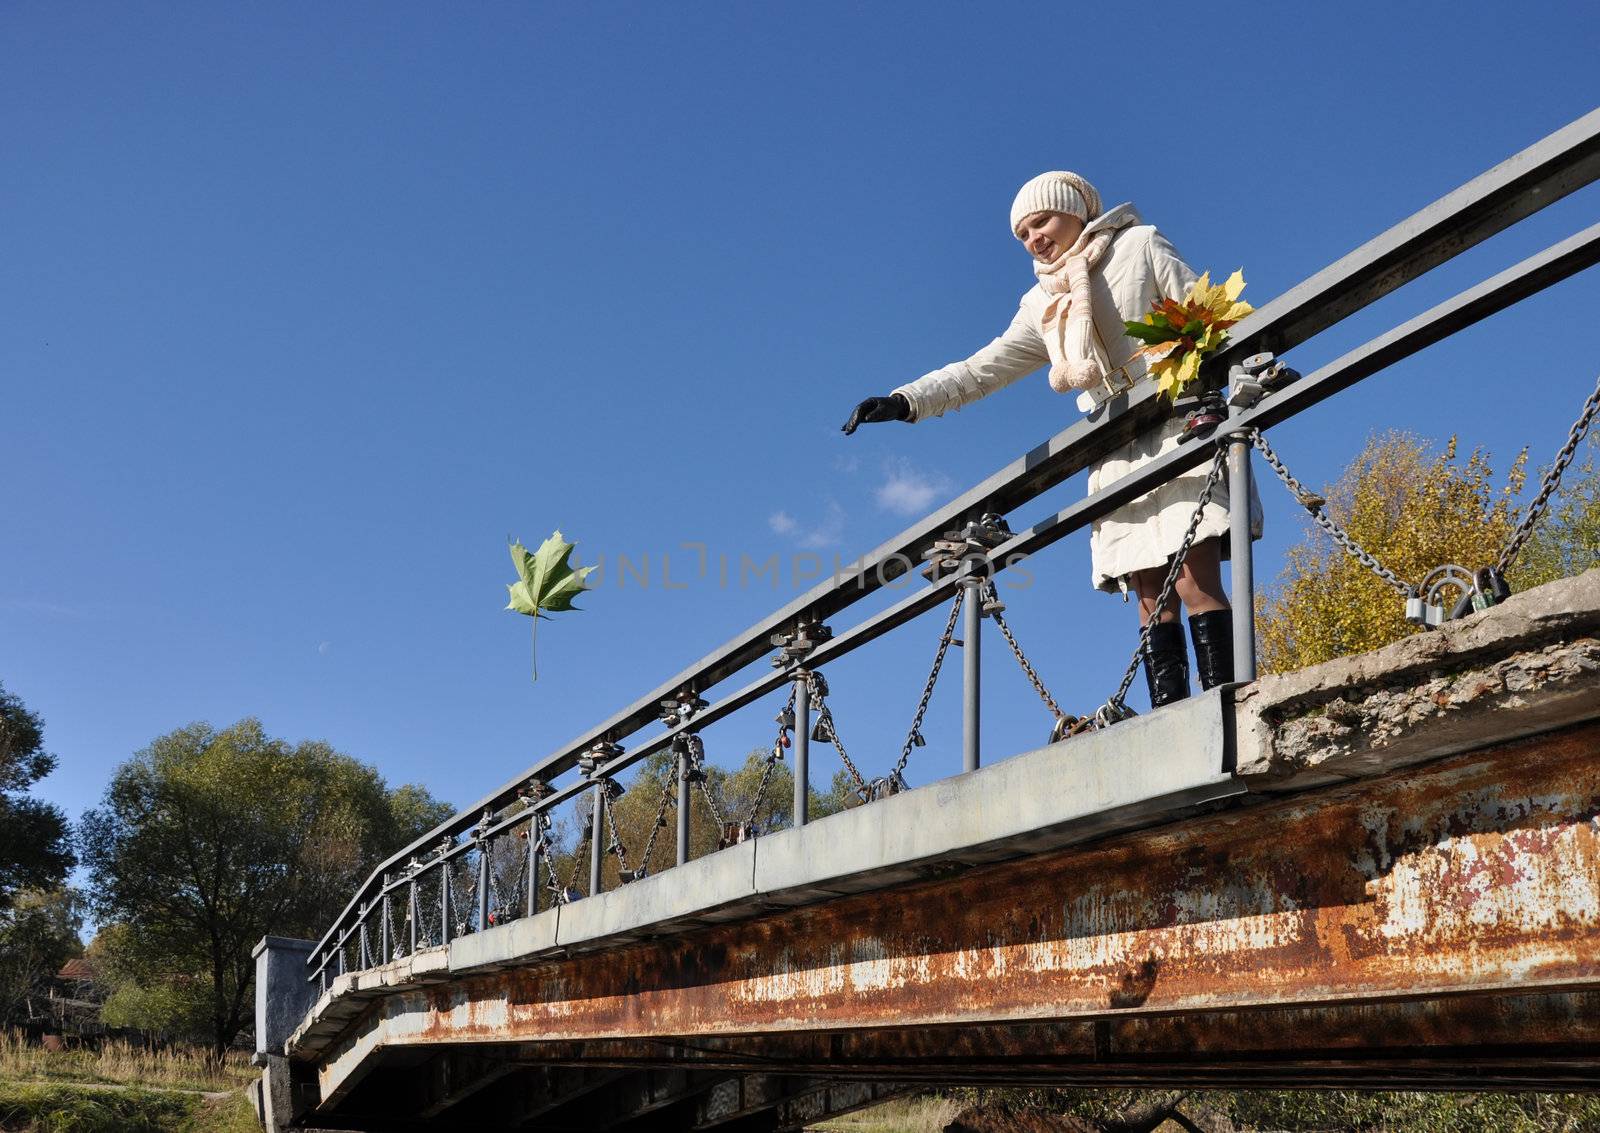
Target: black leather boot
point(1213, 646)
point(1166, 664)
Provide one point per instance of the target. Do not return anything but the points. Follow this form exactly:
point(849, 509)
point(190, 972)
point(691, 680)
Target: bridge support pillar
point(283, 997)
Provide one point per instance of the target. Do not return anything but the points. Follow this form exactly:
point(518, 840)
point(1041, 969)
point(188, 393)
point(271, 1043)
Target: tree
point(35, 844)
point(208, 840)
point(38, 933)
point(634, 814)
point(143, 992)
point(1567, 540)
point(1414, 509)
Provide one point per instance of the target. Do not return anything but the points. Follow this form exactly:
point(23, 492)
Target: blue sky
point(308, 307)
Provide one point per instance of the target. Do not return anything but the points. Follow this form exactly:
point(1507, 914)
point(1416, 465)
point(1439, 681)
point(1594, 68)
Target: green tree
point(35, 845)
point(38, 933)
point(1566, 541)
point(737, 794)
point(144, 992)
point(208, 840)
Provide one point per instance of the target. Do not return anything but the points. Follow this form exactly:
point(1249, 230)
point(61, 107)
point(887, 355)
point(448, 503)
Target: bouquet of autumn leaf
point(1177, 336)
point(545, 582)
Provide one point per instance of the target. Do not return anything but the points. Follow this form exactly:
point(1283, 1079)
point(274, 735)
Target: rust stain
point(1475, 874)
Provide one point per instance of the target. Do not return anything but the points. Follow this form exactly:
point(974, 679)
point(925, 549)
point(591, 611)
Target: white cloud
point(825, 532)
point(828, 532)
point(323, 647)
point(843, 463)
point(907, 490)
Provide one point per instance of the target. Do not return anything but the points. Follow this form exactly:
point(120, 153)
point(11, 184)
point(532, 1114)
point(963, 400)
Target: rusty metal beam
point(1477, 874)
point(1539, 1038)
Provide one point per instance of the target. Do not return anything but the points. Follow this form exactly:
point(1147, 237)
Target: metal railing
point(459, 881)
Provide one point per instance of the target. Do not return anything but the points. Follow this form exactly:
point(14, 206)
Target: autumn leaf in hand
point(1178, 335)
point(546, 583)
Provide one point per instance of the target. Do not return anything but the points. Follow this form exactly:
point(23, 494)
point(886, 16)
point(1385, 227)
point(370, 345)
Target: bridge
point(1382, 871)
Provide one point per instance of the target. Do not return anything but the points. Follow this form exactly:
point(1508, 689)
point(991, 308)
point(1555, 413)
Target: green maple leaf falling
point(545, 582)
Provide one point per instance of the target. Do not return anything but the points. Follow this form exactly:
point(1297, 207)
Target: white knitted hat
point(1058, 191)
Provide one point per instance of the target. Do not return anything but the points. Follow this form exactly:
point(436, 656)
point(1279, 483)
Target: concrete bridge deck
point(1383, 870)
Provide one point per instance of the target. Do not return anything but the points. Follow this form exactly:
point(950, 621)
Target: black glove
point(895, 407)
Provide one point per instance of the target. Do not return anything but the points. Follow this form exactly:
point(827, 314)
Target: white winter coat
point(1139, 267)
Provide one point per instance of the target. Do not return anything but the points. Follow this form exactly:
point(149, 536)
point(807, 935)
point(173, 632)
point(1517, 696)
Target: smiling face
point(1047, 234)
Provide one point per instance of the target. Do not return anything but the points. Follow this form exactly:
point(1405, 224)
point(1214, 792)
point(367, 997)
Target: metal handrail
point(1516, 188)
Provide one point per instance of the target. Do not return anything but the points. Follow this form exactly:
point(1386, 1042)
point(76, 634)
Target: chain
point(825, 718)
point(464, 909)
point(1218, 463)
point(616, 846)
point(425, 922)
point(388, 925)
point(577, 860)
point(553, 886)
point(1033, 677)
point(785, 722)
point(669, 791)
point(1315, 504)
point(1552, 480)
point(914, 736)
point(519, 888)
point(697, 770)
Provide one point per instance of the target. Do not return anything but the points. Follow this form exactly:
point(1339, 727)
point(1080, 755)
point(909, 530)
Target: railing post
point(597, 848)
point(444, 900)
point(685, 800)
point(385, 944)
point(363, 952)
point(412, 909)
point(971, 656)
point(483, 871)
point(1242, 553)
point(802, 748)
point(533, 864)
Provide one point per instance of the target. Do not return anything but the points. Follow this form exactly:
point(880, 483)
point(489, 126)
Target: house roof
point(76, 969)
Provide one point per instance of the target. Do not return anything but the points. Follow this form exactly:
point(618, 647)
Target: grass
point(120, 1063)
point(902, 1115)
point(34, 1107)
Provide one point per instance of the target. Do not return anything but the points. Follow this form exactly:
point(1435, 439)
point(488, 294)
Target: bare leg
point(1199, 585)
point(1147, 586)
point(1200, 581)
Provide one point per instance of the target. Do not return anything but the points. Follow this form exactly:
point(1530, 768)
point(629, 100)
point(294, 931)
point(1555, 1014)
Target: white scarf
point(1077, 357)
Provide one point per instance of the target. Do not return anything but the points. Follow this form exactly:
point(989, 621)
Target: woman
point(1097, 269)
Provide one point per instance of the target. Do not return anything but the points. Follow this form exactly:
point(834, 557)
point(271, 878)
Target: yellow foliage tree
point(1411, 507)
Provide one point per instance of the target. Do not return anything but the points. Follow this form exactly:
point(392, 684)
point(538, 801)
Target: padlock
point(1278, 376)
point(820, 732)
point(785, 719)
point(917, 740)
point(1492, 585)
point(631, 875)
point(1063, 728)
point(1256, 363)
point(1421, 612)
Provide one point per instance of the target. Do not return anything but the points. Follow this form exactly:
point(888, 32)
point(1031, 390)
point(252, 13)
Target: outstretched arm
point(1016, 353)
